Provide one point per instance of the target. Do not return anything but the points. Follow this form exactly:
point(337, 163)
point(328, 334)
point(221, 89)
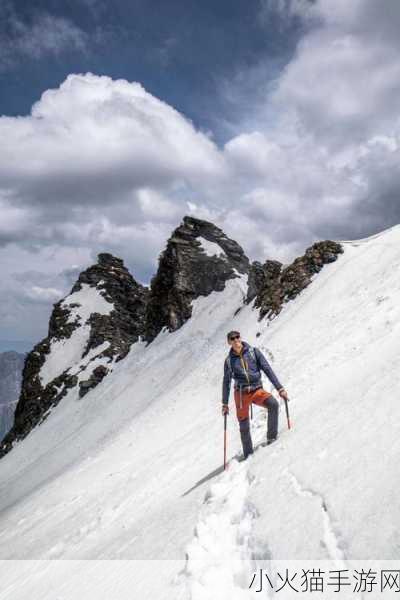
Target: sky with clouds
point(278, 120)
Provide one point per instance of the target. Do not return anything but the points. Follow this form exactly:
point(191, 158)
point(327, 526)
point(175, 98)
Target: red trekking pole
point(225, 441)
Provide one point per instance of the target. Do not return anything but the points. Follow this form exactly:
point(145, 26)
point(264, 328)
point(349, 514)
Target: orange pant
point(244, 399)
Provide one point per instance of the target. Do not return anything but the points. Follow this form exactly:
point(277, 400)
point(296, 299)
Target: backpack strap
point(253, 355)
point(228, 364)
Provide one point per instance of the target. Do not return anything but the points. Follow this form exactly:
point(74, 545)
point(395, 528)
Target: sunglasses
point(234, 337)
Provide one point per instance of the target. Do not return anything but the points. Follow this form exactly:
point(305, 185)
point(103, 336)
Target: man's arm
point(226, 384)
point(266, 367)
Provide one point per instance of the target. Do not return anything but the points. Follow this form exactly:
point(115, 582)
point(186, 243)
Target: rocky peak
point(272, 285)
point(90, 329)
point(198, 259)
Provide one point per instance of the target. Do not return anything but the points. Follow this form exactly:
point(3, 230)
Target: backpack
point(228, 361)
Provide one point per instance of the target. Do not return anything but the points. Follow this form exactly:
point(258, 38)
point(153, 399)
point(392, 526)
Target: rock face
point(199, 259)
point(273, 285)
point(89, 330)
point(107, 311)
point(11, 365)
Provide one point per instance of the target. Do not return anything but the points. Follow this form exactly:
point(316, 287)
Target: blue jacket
point(245, 369)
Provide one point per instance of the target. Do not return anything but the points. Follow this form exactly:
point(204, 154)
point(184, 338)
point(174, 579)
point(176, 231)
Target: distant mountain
point(20, 346)
point(11, 365)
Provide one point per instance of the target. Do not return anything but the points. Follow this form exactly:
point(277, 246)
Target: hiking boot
point(271, 441)
point(245, 435)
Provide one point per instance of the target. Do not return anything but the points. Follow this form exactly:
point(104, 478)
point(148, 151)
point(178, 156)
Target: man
point(243, 363)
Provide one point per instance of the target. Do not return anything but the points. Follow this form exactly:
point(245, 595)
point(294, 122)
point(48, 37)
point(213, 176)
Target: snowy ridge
point(124, 474)
point(68, 352)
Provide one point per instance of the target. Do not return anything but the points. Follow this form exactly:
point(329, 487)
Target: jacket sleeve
point(266, 367)
point(226, 384)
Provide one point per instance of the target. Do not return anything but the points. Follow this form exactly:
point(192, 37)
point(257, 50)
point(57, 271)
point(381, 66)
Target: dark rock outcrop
point(11, 365)
point(262, 277)
point(107, 311)
point(273, 285)
point(90, 329)
point(199, 259)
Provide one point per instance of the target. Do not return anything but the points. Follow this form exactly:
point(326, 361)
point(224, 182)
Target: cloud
point(40, 294)
point(284, 13)
point(323, 161)
point(93, 137)
point(98, 165)
point(103, 165)
point(26, 282)
point(14, 220)
point(44, 35)
point(96, 162)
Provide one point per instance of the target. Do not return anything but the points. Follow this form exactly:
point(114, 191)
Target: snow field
point(126, 472)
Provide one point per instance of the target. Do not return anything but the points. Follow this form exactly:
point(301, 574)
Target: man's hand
point(283, 394)
point(225, 409)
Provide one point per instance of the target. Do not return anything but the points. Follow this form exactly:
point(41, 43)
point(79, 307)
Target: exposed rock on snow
point(199, 259)
point(90, 329)
point(273, 285)
point(107, 311)
point(130, 474)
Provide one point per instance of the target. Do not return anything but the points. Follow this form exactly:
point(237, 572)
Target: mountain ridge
point(105, 478)
point(107, 311)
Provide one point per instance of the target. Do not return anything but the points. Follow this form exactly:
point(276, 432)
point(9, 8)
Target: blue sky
point(277, 120)
point(183, 52)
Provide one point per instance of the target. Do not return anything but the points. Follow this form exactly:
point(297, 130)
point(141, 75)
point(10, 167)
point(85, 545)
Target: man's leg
point(272, 405)
point(264, 398)
point(245, 435)
point(242, 412)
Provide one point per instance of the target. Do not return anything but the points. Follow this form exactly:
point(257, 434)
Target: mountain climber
point(244, 363)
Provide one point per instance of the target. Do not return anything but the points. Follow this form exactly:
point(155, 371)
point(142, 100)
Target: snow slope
point(132, 472)
point(68, 351)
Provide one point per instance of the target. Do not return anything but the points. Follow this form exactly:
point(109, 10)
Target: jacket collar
point(245, 346)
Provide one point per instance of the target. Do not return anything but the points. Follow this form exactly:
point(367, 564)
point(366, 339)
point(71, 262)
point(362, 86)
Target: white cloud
point(93, 136)
point(155, 206)
point(99, 165)
point(103, 165)
point(45, 35)
point(344, 81)
point(39, 294)
point(325, 160)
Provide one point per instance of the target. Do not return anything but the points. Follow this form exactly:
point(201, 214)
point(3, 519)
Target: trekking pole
point(287, 413)
point(225, 441)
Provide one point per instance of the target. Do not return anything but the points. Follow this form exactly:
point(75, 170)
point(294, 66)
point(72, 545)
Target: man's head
point(234, 340)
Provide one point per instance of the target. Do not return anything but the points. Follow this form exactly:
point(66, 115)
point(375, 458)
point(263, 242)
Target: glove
point(283, 394)
point(225, 409)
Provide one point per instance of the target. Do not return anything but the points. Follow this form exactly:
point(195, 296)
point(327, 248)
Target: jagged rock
point(89, 330)
point(262, 277)
point(199, 259)
point(276, 285)
point(107, 311)
point(98, 375)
